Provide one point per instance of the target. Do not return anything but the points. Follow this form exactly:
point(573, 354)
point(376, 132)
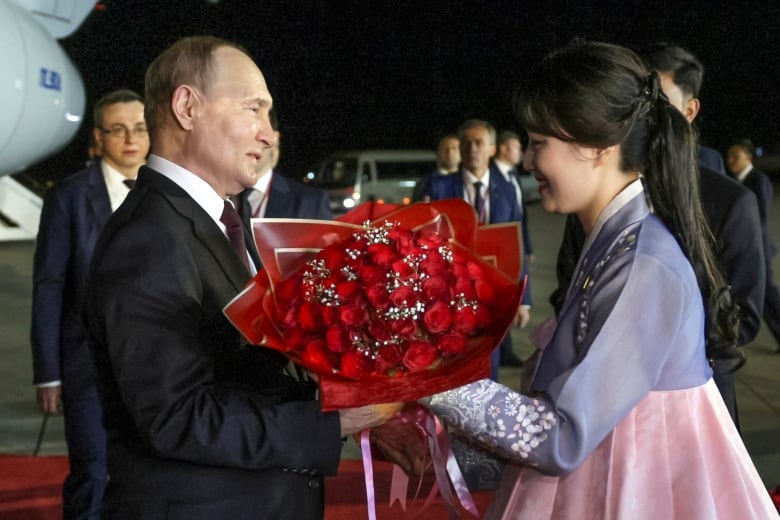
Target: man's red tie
point(235, 232)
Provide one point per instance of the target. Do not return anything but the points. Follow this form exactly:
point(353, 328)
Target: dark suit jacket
point(527, 247)
point(732, 215)
point(289, 198)
point(712, 159)
point(503, 202)
point(198, 426)
point(73, 214)
point(758, 182)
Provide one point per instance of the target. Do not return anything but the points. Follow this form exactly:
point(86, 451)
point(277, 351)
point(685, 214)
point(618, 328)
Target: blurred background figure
point(447, 162)
point(277, 196)
point(493, 198)
point(740, 164)
point(74, 212)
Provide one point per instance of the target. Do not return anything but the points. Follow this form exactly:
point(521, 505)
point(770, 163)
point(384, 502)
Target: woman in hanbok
point(621, 419)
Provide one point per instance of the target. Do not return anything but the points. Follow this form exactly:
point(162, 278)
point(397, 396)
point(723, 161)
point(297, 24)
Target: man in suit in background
point(509, 153)
point(740, 164)
point(492, 197)
point(275, 196)
point(731, 212)
point(447, 162)
point(681, 75)
point(73, 214)
point(200, 425)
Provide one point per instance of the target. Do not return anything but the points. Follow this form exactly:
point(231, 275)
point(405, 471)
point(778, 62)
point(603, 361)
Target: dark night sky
point(358, 74)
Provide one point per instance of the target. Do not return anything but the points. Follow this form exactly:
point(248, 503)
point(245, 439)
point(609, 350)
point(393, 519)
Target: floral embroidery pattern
point(498, 417)
point(625, 242)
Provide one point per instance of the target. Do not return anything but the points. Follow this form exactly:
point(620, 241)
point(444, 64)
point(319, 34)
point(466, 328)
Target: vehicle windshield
point(337, 173)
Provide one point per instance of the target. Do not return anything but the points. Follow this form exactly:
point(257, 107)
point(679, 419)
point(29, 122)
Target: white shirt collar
point(264, 180)
point(200, 191)
point(744, 173)
point(115, 184)
point(469, 178)
point(503, 167)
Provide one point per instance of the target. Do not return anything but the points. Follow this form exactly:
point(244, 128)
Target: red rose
point(378, 297)
point(354, 364)
point(403, 269)
point(404, 297)
point(434, 265)
point(317, 357)
point(430, 241)
point(308, 316)
point(405, 327)
point(349, 291)
point(403, 238)
point(352, 315)
point(436, 288)
point(451, 344)
point(370, 274)
point(419, 356)
point(465, 287)
point(332, 256)
point(465, 320)
point(379, 331)
point(337, 339)
point(485, 292)
point(475, 270)
point(438, 318)
point(388, 357)
point(382, 254)
point(329, 315)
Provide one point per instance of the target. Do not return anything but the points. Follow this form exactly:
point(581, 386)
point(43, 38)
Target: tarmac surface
point(758, 382)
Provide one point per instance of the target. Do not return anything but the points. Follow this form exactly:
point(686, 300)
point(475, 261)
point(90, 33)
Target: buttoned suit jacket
point(199, 426)
point(73, 214)
point(503, 202)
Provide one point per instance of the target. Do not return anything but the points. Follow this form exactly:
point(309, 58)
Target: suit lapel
point(204, 228)
point(278, 205)
point(97, 195)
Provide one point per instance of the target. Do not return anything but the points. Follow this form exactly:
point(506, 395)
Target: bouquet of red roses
point(384, 304)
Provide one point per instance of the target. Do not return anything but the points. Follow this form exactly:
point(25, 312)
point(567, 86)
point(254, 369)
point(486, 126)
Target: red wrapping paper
point(285, 245)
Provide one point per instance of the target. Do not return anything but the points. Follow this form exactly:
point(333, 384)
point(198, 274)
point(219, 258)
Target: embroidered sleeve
point(510, 423)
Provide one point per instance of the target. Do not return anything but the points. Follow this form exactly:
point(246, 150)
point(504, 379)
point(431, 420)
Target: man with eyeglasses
point(74, 212)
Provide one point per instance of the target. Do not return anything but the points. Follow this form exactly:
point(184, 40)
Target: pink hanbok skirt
point(676, 455)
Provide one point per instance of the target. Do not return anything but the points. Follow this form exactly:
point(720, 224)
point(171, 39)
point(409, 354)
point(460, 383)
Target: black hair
point(601, 95)
point(112, 98)
point(747, 145)
point(686, 70)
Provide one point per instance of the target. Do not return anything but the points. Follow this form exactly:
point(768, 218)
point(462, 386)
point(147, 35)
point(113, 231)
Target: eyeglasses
point(120, 131)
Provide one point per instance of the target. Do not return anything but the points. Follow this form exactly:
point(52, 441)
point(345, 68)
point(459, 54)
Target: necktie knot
point(235, 232)
point(130, 183)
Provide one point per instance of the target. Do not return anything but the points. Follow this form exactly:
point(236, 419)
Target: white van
point(353, 177)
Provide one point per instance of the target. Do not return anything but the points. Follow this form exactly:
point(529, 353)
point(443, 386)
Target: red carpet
point(30, 489)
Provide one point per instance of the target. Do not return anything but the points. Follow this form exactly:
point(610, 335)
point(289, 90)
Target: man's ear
point(691, 109)
point(185, 103)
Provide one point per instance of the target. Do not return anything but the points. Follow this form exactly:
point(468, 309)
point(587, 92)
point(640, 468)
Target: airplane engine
point(41, 92)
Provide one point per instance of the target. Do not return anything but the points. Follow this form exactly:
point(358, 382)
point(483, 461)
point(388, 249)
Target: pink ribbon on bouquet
point(446, 469)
